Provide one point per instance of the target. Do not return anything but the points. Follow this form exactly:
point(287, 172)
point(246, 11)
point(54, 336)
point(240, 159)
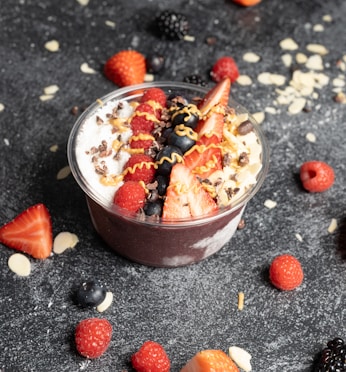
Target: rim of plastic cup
point(133, 93)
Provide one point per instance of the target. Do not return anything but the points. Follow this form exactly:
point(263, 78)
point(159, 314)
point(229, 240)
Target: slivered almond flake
point(19, 264)
point(241, 358)
point(240, 301)
point(2, 107)
point(268, 78)
point(52, 45)
point(337, 82)
point(251, 57)
point(310, 137)
point(63, 173)
point(333, 225)
point(259, 117)
point(86, 69)
point(110, 24)
point(270, 204)
point(104, 305)
point(299, 237)
point(288, 44)
point(244, 80)
point(270, 110)
point(46, 97)
point(64, 240)
point(54, 148)
point(148, 78)
point(317, 48)
point(83, 2)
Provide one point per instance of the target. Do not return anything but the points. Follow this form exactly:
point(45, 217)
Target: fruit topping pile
point(177, 159)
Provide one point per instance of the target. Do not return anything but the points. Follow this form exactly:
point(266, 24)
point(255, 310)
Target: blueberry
point(154, 63)
point(186, 117)
point(167, 132)
point(162, 184)
point(171, 152)
point(90, 294)
point(182, 137)
point(153, 208)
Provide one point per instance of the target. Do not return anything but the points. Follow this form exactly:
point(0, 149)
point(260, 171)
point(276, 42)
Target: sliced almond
point(244, 80)
point(51, 89)
point(241, 301)
point(64, 240)
point(287, 59)
point(332, 226)
point(86, 69)
point(104, 305)
point(110, 24)
point(327, 18)
point(2, 107)
point(259, 117)
point(54, 148)
point(301, 58)
point(337, 82)
point(46, 97)
point(318, 28)
point(52, 45)
point(299, 237)
point(314, 62)
point(288, 44)
point(251, 57)
point(19, 264)
point(297, 105)
point(241, 357)
point(310, 137)
point(317, 48)
point(83, 2)
point(270, 204)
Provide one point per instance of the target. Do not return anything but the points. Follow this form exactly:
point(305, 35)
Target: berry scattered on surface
point(225, 67)
point(92, 337)
point(247, 3)
point(130, 196)
point(172, 25)
point(90, 294)
point(126, 67)
point(140, 167)
point(195, 79)
point(210, 360)
point(154, 63)
point(333, 357)
point(316, 176)
point(286, 272)
point(30, 232)
point(151, 357)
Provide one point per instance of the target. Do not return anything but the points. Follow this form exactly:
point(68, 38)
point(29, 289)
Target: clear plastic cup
point(155, 242)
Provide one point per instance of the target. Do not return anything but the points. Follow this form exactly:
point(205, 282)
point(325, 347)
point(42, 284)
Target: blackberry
point(333, 357)
point(172, 25)
point(195, 79)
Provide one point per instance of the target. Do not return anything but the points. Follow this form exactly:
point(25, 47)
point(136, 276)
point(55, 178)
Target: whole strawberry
point(316, 176)
point(286, 272)
point(225, 67)
point(127, 67)
point(151, 357)
point(92, 337)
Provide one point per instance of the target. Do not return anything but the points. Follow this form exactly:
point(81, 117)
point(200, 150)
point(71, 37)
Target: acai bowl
point(167, 169)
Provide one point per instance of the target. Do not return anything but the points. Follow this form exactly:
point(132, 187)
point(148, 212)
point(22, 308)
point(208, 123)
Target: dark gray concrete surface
point(191, 308)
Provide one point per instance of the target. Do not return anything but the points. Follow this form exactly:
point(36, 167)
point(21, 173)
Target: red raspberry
point(130, 196)
point(286, 273)
point(316, 176)
point(155, 94)
point(140, 143)
point(92, 337)
point(139, 167)
point(143, 119)
point(225, 67)
point(151, 357)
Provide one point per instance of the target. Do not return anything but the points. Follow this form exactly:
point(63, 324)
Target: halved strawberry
point(205, 157)
point(212, 109)
point(185, 196)
point(30, 232)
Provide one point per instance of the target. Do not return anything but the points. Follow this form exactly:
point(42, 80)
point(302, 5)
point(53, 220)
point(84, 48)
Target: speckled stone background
point(191, 308)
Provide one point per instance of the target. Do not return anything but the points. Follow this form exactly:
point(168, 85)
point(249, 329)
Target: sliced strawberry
point(30, 232)
point(185, 196)
point(218, 95)
point(212, 109)
point(205, 157)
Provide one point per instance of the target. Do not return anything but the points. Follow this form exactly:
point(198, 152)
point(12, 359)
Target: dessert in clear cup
point(167, 169)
